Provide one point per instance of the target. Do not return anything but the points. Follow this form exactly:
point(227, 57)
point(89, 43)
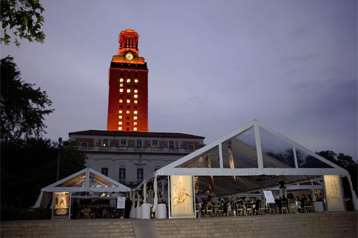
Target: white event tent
point(85, 180)
point(254, 158)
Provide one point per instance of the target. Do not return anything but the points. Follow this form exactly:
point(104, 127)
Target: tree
point(25, 107)
point(29, 165)
point(21, 19)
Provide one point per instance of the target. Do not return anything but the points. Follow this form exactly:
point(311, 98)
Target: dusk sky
point(214, 66)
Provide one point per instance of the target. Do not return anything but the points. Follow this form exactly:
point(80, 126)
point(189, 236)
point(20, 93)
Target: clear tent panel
point(229, 185)
point(209, 159)
point(240, 151)
point(98, 182)
point(276, 152)
point(305, 160)
point(77, 181)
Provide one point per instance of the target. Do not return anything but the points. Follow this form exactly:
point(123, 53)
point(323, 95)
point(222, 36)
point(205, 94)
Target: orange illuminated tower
point(128, 87)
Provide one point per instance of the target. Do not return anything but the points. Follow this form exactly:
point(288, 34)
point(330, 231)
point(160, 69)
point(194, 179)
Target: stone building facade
point(129, 157)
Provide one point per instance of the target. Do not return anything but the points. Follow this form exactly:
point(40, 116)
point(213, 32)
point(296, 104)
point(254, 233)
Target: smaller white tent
point(85, 180)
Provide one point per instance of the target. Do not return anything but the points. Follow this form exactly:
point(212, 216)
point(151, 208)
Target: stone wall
point(325, 225)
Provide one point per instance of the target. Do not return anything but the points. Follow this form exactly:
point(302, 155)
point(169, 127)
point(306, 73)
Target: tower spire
point(128, 41)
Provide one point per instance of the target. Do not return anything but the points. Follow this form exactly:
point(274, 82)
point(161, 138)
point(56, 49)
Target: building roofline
point(135, 134)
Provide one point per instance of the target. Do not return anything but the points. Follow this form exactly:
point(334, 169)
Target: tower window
point(120, 111)
point(135, 129)
point(128, 90)
point(135, 96)
point(120, 117)
point(121, 85)
point(135, 101)
point(135, 90)
point(135, 118)
point(135, 112)
point(135, 80)
point(128, 112)
point(128, 80)
point(121, 80)
point(120, 128)
point(120, 100)
point(135, 123)
point(119, 123)
point(128, 101)
point(121, 90)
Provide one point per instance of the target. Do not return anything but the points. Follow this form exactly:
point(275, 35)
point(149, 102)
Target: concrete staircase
point(331, 225)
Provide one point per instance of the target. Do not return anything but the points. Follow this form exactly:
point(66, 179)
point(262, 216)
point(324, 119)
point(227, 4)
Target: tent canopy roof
point(86, 180)
point(252, 151)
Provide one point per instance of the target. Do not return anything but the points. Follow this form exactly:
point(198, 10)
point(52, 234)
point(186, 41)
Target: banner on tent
point(61, 204)
point(334, 193)
point(181, 196)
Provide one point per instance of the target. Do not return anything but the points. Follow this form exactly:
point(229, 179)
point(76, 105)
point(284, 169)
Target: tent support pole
point(354, 195)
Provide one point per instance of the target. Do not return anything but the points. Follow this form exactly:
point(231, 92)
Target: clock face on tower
point(129, 56)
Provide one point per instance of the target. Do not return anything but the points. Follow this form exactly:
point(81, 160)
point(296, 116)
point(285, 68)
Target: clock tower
point(128, 87)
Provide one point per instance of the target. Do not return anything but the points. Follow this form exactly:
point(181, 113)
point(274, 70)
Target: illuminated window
point(136, 81)
point(128, 80)
point(135, 118)
point(128, 101)
point(128, 111)
point(135, 112)
point(120, 111)
point(135, 123)
point(128, 90)
point(121, 85)
point(121, 90)
point(135, 128)
point(120, 128)
point(135, 101)
point(135, 96)
point(121, 80)
point(120, 101)
point(120, 117)
point(135, 90)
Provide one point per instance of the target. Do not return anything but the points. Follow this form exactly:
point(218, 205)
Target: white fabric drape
point(38, 201)
point(155, 187)
point(145, 192)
